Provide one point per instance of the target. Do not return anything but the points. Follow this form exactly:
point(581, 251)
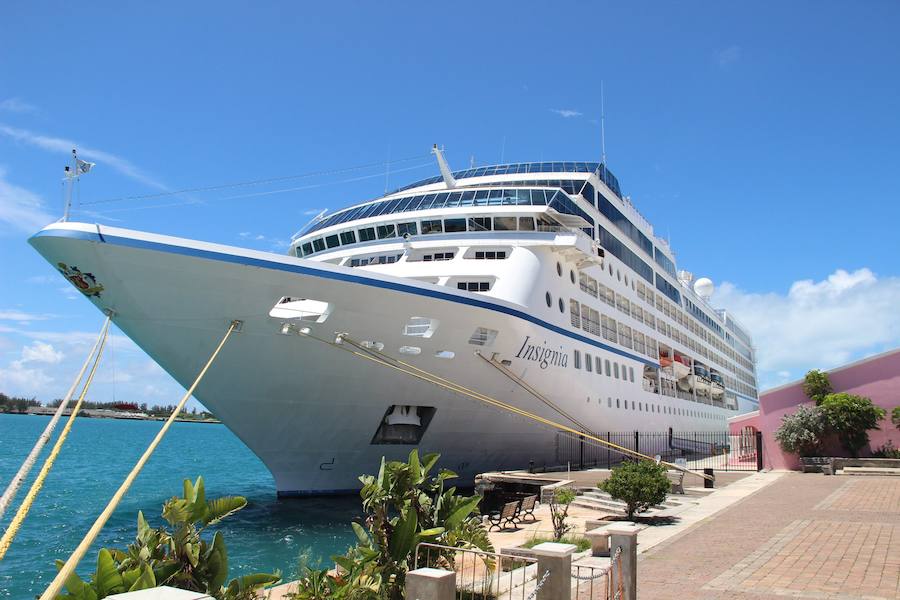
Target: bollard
point(624, 535)
point(709, 483)
point(556, 558)
point(430, 584)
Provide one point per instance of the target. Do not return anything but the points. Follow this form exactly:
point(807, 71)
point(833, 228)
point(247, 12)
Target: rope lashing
point(69, 567)
point(38, 483)
point(32, 457)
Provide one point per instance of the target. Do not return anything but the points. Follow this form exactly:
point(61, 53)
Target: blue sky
point(761, 138)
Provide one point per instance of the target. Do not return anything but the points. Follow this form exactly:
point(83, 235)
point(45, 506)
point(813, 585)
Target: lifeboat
point(717, 389)
point(701, 380)
point(681, 367)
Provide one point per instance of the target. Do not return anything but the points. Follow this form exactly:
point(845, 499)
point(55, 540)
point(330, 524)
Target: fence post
point(707, 482)
point(430, 584)
point(624, 536)
point(637, 441)
point(580, 452)
point(608, 452)
point(556, 558)
point(759, 451)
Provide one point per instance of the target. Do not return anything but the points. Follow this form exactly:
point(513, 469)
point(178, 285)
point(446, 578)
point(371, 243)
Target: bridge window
point(505, 223)
point(434, 226)
point(318, 244)
point(387, 231)
point(348, 237)
point(480, 224)
point(407, 229)
point(454, 225)
point(367, 234)
point(332, 241)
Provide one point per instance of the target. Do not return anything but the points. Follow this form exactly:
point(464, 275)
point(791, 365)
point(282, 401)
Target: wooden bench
point(505, 516)
point(676, 478)
point(527, 508)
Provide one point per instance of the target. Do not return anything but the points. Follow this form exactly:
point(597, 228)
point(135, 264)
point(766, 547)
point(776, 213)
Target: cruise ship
point(536, 284)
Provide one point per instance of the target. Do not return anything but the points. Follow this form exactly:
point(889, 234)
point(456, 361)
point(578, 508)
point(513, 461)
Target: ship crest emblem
point(85, 282)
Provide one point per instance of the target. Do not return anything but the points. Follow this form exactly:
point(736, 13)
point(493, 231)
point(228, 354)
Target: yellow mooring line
point(413, 371)
point(69, 567)
point(20, 515)
point(29, 461)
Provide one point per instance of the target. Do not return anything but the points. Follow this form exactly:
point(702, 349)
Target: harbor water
point(268, 534)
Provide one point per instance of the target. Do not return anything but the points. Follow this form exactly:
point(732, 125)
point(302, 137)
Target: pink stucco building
point(877, 378)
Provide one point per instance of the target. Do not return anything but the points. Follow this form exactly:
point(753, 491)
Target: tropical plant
point(851, 418)
point(802, 431)
point(816, 385)
point(887, 450)
point(639, 485)
point(559, 511)
point(180, 558)
point(404, 505)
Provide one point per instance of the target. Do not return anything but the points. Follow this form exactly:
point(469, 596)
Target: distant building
point(877, 378)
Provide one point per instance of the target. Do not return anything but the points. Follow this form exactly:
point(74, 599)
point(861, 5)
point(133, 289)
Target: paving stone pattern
point(804, 536)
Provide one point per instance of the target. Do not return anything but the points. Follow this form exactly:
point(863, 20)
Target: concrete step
point(602, 496)
point(880, 471)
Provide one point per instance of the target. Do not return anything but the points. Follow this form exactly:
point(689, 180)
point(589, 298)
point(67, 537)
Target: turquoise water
point(268, 534)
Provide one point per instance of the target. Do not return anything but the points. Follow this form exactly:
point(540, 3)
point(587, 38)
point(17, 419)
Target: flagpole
point(70, 183)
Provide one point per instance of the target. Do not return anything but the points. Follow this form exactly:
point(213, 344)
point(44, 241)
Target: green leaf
point(434, 531)
point(217, 562)
point(361, 534)
point(428, 461)
point(404, 536)
point(461, 512)
point(107, 579)
point(74, 584)
point(164, 571)
point(143, 527)
point(252, 581)
point(177, 511)
point(220, 508)
point(146, 580)
point(415, 469)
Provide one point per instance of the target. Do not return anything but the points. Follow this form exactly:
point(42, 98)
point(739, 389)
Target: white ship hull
point(309, 410)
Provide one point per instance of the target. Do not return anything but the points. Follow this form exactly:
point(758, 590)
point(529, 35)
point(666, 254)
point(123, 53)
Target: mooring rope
point(390, 362)
point(38, 483)
point(32, 457)
point(69, 567)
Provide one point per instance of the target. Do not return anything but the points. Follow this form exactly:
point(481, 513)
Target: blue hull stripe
point(389, 285)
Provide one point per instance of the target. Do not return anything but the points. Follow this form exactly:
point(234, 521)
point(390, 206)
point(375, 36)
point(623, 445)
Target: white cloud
point(817, 324)
point(41, 352)
point(20, 208)
point(18, 377)
point(17, 105)
point(54, 144)
point(313, 212)
point(727, 56)
point(22, 316)
point(566, 113)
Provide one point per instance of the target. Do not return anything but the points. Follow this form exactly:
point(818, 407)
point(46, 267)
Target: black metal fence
point(718, 450)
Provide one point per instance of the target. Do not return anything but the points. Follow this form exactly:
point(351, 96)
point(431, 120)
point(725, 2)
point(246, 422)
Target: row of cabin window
point(592, 364)
point(668, 410)
point(428, 226)
point(473, 286)
point(385, 259)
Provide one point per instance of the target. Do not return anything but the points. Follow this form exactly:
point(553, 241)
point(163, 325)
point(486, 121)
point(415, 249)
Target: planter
point(813, 464)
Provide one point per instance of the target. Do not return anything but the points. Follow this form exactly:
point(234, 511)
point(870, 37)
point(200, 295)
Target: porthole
point(619, 275)
point(562, 307)
point(559, 269)
point(549, 299)
point(610, 270)
point(626, 279)
point(572, 276)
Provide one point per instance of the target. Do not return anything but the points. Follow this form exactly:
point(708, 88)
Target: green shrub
point(639, 485)
point(816, 385)
point(851, 418)
point(887, 451)
point(802, 432)
point(895, 417)
point(580, 541)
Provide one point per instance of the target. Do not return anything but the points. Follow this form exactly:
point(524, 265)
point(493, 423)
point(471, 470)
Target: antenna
point(387, 171)
point(449, 181)
point(502, 149)
point(602, 132)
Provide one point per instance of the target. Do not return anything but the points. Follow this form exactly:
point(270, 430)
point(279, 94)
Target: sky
point(760, 138)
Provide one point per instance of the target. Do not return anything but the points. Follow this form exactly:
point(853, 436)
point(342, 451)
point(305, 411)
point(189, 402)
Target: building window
point(387, 231)
point(480, 224)
point(435, 226)
point(438, 256)
point(348, 237)
point(607, 368)
point(490, 255)
point(577, 359)
point(631, 374)
point(319, 244)
point(616, 369)
point(407, 229)
point(588, 363)
point(598, 364)
point(473, 286)
point(332, 241)
point(307, 248)
point(367, 234)
point(454, 225)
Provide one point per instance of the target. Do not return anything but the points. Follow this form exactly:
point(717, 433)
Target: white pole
point(70, 183)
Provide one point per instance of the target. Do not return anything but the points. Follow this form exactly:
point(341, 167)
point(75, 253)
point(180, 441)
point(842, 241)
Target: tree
point(639, 485)
point(895, 417)
point(816, 385)
point(559, 510)
point(181, 558)
point(802, 432)
point(851, 418)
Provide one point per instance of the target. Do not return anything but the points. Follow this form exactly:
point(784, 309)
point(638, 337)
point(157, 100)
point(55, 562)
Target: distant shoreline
point(95, 413)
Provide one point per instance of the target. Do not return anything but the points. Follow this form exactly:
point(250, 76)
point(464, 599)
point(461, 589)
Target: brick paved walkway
point(804, 536)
